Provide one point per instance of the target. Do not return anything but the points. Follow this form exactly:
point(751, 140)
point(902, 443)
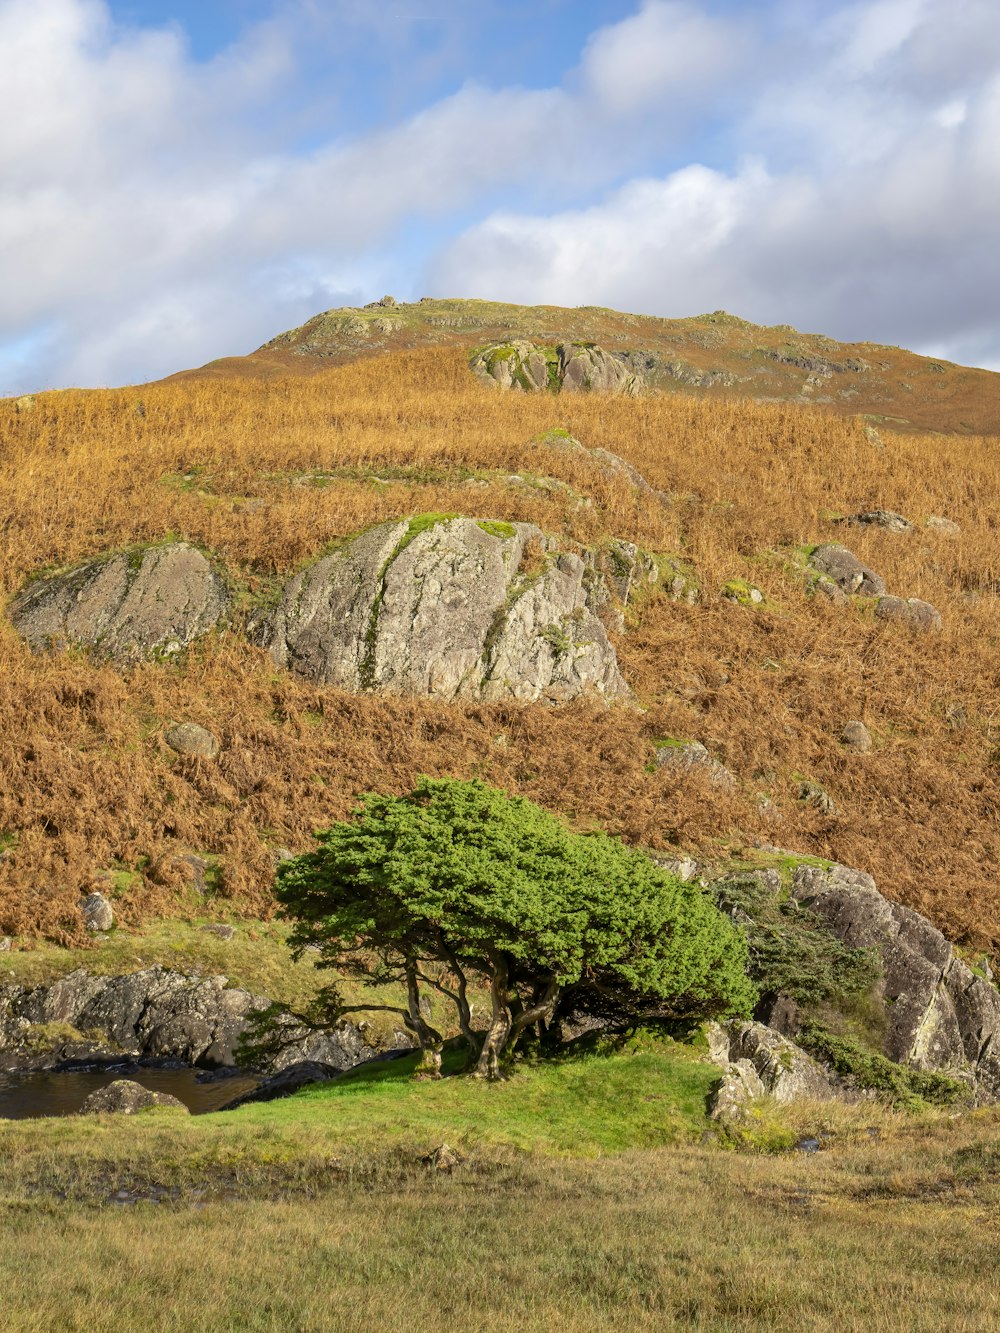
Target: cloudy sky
point(181, 180)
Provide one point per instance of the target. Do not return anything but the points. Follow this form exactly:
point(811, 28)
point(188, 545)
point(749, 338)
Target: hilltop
point(716, 356)
point(263, 469)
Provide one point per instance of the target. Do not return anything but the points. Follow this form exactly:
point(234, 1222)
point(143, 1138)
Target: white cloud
point(879, 222)
point(665, 50)
point(155, 212)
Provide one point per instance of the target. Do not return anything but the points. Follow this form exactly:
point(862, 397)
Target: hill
point(716, 356)
point(265, 467)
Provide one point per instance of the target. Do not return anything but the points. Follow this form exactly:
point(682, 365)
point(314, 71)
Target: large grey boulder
point(528, 367)
point(124, 606)
point(160, 1014)
point(453, 608)
point(846, 571)
point(941, 1015)
point(125, 1097)
point(587, 367)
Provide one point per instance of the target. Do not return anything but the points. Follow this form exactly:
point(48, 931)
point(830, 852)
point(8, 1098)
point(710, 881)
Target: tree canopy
point(458, 886)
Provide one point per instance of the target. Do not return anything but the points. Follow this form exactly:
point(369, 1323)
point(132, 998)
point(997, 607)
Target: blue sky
point(180, 181)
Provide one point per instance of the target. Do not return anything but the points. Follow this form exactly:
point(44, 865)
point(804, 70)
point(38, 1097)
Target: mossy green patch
point(497, 529)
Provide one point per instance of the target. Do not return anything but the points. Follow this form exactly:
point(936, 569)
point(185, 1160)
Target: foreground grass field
point(586, 1199)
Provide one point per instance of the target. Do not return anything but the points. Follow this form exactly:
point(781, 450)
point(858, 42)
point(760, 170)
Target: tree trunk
point(430, 1040)
point(461, 999)
point(488, 1065)
point(540, 1011)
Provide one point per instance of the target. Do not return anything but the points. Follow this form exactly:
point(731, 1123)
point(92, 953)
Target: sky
point(181, 181)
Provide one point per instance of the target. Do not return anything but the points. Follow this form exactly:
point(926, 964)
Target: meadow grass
point(585, 1199)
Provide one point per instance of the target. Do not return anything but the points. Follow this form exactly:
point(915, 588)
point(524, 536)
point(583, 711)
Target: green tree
point(459, 886)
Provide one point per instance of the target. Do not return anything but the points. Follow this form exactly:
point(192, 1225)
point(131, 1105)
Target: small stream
point(63, 1092)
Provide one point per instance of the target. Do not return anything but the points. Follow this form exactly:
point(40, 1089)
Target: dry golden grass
point(273, 1219)
point(86, 783)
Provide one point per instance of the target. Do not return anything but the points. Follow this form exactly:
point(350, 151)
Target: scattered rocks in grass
point(124, 606)
point(811, 793)
point(744, 594)
point(5, 944)
point(878, 518)
point(856, 737)
point(191, 739)
point(220, 930)
point(909, 611)
point(98, 914)
point(442, 1158)
point(125, 1097)
point(847, 571)
point(946, 526)
point(692, 756)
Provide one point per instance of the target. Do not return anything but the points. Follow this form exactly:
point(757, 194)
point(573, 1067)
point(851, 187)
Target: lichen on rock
point(444, 606)
point(126, 606)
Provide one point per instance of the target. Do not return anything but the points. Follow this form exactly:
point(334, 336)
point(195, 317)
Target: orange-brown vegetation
point(267, 472)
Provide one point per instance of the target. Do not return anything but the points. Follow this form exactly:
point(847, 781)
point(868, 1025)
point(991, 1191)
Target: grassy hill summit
point(716, 355)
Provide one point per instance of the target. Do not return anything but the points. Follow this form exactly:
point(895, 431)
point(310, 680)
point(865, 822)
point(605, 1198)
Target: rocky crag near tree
point(927, 1010)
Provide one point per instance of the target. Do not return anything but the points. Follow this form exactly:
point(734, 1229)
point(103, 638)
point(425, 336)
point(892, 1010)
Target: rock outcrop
point(124, 607)
point(452, 608)
point(573, 367)
point(846, 571)
point(908, 611)
point(856, 737)
point(191, 739)
point(757, 1061)
point(159, 1014)
point(125, 1097)
point(941, 1015)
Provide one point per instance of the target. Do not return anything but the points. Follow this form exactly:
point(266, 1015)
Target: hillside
point(716, 356)
point(265, 468)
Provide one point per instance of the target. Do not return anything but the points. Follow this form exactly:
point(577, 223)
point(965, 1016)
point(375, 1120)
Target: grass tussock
point(265, 474)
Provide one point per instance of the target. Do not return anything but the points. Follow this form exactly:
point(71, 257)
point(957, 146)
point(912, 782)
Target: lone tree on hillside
point(458, 885)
